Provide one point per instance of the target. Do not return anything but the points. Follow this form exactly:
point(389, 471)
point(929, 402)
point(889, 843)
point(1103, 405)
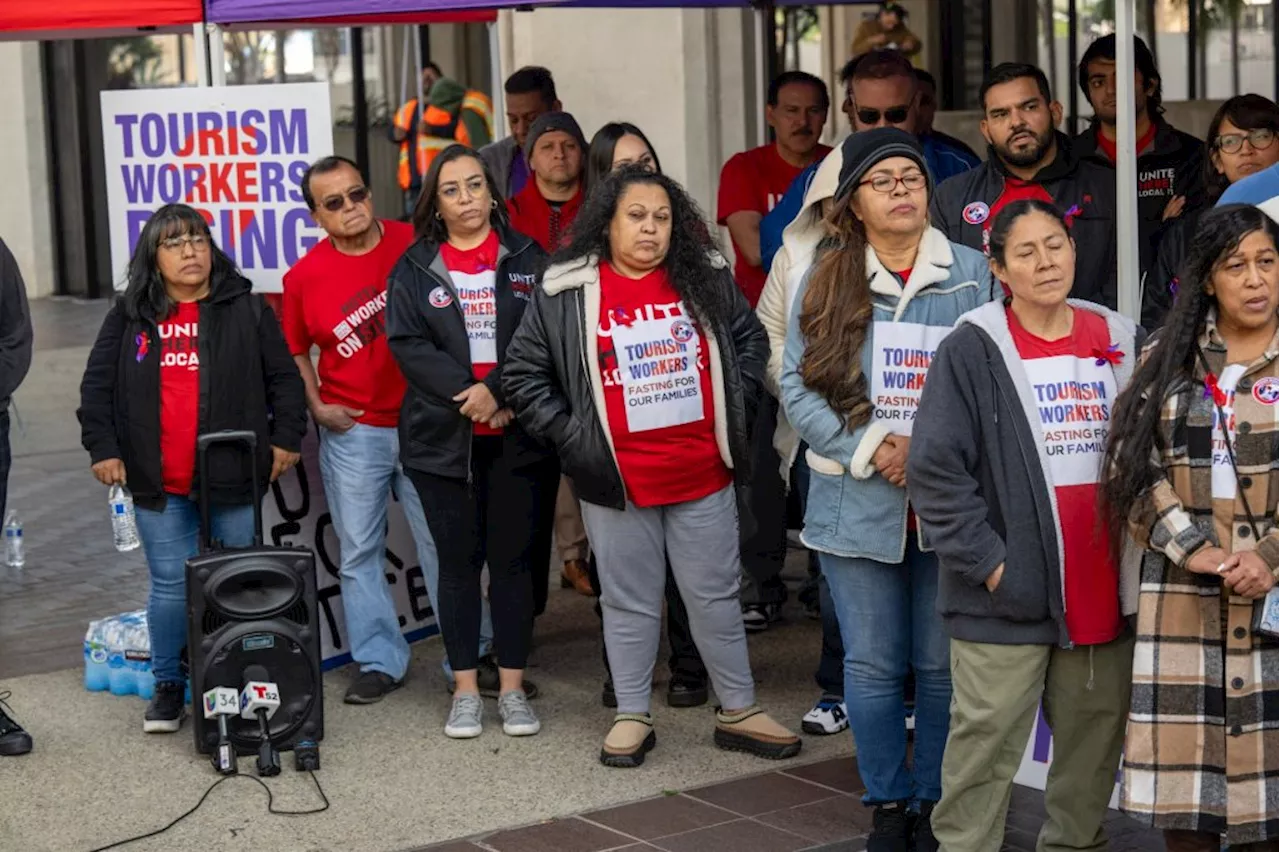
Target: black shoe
point(491, 684)
point(608, 697)
point(371, 687)
point(13, 739)
point(891, 828)
point(682, 694)
point(164, 713)
point(756, 618)
point(922, 839)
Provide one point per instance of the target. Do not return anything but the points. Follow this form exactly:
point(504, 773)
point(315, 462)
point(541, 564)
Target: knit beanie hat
point(862, 150)
point(549, 121)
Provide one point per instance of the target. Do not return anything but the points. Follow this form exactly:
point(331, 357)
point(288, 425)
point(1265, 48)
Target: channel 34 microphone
point(221, 702)
point(259, 699)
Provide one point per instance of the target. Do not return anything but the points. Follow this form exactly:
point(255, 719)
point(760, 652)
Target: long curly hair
point(688, 262)
point(835, 315)
point(1170, 360)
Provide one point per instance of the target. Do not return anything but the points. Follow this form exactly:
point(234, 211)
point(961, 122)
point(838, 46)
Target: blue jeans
point(830, 672)
point(360, 467)
point(169, 538)
point(889, 624)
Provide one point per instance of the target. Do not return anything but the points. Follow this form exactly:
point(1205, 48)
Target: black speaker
point(253, 606)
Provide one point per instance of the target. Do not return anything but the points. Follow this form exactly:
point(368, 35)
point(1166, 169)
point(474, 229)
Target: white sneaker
point(828, 716)
point(465, 717)
point(518, 719)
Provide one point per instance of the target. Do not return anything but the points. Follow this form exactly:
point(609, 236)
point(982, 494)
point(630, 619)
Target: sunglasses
point(334, 203)
point(893, 115)
point(1260, 138)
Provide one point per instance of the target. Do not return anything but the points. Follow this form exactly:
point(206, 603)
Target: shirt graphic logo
point(440, 298)
point(681, 331)
point(975, 213)
point(362, 321)
point(1266, 390)
point(143, 342)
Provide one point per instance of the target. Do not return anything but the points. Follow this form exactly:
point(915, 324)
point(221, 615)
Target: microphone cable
point(271, 808)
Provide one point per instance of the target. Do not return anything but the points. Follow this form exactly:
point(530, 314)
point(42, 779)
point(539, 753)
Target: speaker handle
point(227, 436)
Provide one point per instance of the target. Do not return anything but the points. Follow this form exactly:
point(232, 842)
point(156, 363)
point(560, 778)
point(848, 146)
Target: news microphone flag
point(259, 695)
point(221, 701)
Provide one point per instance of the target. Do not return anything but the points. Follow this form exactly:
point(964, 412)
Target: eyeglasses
point(1260, 138)
point(893, 115)
point(888, 183)
point(198, 242)
point(357, 194)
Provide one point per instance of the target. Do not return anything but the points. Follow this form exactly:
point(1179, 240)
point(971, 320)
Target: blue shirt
point(944, 161)
point(1254, 189)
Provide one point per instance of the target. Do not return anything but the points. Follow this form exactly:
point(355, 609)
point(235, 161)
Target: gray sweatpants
point(632, 547)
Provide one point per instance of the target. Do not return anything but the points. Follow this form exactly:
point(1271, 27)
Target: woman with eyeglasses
point(1241, 142)
point(488, 489)
point(882, 291)
point(187, 350)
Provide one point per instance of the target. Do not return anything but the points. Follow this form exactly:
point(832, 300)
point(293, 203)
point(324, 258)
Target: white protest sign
point(234, 153)
point(900, 357)
point(295, 514)
point(1034, 769)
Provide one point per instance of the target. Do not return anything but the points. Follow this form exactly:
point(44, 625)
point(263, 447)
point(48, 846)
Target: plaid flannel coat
point(1202, 749)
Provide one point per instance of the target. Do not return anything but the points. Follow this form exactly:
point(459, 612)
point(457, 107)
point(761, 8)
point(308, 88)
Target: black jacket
point(428, 337)
point(1070, 183)
point(248, 381)
point(1161, 283)
point(1171, 166)
point(548, 378)
point(15, 327)
point(979, 477)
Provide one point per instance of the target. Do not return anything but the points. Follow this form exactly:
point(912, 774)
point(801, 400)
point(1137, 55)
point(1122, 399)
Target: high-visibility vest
point(443, 130)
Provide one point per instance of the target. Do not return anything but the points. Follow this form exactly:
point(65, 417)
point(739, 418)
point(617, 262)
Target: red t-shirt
point(179, 396)
point(657, 391)
point(754, 181)
point(1075, 394)
point(337, 302)
point(473, 272)
point(540, 221)
point(1108, 146)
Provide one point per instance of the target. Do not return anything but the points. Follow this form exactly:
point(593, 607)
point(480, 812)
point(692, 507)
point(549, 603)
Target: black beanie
point(862, 150)
point(549, 121)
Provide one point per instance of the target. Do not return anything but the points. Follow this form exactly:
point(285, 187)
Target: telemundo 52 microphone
point(259, 699)
point(221, 702)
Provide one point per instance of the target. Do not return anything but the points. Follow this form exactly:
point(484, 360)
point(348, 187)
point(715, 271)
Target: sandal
point(628, 741)
point(753, 732)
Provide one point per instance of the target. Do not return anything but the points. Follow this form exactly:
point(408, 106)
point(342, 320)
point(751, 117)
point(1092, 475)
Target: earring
point(438, 216)
point(493, 204)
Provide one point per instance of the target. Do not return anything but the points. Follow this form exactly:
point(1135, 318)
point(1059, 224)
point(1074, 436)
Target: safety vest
point(441, 130)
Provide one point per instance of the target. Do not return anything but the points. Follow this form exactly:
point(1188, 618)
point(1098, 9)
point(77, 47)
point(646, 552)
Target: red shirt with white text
point(179, 396)
point(474, 275)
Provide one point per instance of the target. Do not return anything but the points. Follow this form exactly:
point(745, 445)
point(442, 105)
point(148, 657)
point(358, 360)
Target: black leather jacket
point(548, 377)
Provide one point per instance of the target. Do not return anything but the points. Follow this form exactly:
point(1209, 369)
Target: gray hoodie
point(979, 478)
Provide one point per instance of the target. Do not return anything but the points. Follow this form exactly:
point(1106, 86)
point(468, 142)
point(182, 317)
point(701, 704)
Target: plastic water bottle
point(15, 555)
point(96, 674)
point(124, 525)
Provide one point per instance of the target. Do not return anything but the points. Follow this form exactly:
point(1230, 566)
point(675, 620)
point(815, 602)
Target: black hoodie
point(248, 381)
point(15, 326)
point(960, 204)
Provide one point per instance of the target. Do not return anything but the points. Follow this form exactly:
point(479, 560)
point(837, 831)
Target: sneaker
point(491, 684)
point(922, 839)
point(828, 716)
point(13, 739)
point(756, 618)
point(464, 717)
point(890, 828)
point(168, 706)
point(371, 687)
point(517, 716)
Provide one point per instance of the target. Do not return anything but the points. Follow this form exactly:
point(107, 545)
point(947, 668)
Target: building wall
point(25, 224)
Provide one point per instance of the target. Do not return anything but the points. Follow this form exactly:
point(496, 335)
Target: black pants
point(6, 458)
point(685, 663)
point(764, 548)
point(495, 520)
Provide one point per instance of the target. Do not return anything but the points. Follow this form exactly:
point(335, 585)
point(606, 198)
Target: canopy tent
point(29, 20)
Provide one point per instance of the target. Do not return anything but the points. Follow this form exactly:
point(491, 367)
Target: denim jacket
point(852, 510)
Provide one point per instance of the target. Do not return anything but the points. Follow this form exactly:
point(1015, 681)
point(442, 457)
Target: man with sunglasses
point(335, 299)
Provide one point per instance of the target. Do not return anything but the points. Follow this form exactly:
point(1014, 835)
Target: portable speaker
point(253, 606)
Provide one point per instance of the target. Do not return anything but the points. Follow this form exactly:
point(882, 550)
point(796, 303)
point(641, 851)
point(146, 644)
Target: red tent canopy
point(33, 19)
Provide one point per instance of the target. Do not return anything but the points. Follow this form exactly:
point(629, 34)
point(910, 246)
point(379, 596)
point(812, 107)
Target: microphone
point(259, 699)
point(221, 702)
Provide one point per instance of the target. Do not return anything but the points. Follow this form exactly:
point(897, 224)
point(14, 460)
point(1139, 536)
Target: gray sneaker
point(464, 717)
point(517, 716)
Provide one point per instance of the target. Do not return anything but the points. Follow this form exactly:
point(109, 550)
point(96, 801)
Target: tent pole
point(217, 55)
point(200, 39)
point(1128, 284)
point(762, 77)
point(495, 81)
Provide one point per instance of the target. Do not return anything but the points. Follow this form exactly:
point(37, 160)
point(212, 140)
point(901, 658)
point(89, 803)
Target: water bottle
point(124, 526)
point(15, 556)
point(96, 674)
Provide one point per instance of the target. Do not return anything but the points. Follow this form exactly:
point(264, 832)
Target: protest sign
point(235, 153)
point(295, 514)
point(1034, 769)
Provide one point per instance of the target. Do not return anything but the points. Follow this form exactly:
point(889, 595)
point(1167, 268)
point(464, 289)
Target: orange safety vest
point(442, 130)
